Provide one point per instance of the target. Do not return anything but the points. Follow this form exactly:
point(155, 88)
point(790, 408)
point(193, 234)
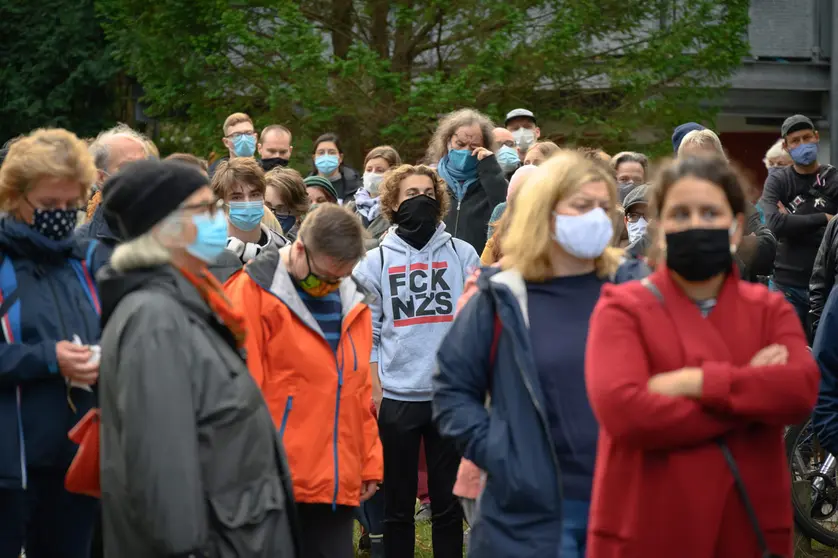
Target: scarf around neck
point(366, 205)
point(458, 181)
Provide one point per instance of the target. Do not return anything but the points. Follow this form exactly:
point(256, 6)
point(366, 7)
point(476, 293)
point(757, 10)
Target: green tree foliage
point(55, 68)
point(382, 71)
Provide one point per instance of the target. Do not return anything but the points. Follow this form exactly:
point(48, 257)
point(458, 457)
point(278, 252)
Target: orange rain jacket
point(319, 400)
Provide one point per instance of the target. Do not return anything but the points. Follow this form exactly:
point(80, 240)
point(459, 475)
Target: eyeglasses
point(634, 217)
point(237, 135)
point(210, 207)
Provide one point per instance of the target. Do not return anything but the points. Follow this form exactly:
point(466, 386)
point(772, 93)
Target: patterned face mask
point(55, 224)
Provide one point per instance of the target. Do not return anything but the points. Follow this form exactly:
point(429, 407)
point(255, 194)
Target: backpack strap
point(88, 284)
point(9, 301)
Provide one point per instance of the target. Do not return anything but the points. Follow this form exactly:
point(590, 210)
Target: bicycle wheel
point(815, 511)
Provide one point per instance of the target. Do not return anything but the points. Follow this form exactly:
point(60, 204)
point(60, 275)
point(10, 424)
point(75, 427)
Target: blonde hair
point(270, 221)
point(450, 123)
point(529, 240)
point(235, 118)
point(546, 148)
point(144, 251)
point(50, 152)
point(703, 139)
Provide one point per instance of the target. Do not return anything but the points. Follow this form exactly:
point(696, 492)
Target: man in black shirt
point(798, 202)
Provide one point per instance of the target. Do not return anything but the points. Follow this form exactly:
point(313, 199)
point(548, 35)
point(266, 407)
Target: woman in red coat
point(688, 357)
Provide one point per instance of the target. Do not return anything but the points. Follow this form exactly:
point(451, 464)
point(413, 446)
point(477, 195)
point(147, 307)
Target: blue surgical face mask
point(637, 229)
point(775, 170)
point(508, 159)
point(244, 146)
point(327, 164)
point(210, 238)
point(462, 160)
point(246, 216)
point(805, 154)
point(584, 236)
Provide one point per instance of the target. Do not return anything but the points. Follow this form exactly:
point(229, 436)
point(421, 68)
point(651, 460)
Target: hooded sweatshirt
point(416, 294)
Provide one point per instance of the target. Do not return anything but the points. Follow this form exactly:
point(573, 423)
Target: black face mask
point(417, 220)
point(273, 162)
point(699, 254)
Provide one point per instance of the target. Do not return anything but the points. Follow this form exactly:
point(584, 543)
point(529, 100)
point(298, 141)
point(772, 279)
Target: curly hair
point(450, 123)
point(389, 189)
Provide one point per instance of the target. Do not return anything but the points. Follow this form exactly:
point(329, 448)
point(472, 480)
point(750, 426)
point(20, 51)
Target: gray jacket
point(191, 463)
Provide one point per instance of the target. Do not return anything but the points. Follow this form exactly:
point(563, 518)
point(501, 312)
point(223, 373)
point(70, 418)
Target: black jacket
point(349, 183)
point(756, 257)
point(191, 462)
point(98, 229)
point(799, 230)
point(468, 218)
point(824, 275)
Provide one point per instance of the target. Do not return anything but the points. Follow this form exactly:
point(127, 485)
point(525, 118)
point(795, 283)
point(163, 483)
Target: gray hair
point(100, 148)
point(450, 123)
point(776, 151)
point(703, 139)
point(629, 157)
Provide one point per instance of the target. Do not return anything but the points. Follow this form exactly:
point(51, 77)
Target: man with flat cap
point(798, 202)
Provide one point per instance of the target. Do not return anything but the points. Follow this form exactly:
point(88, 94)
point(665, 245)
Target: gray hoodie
point(416, 293)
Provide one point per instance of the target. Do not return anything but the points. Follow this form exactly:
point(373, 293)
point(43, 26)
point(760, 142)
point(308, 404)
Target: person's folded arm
point(491, 179)
point(774, 394)
point(617, 372)
point(785, 225)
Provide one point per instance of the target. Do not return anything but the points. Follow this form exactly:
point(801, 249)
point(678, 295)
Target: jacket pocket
point(248, 517)
point(288, 404)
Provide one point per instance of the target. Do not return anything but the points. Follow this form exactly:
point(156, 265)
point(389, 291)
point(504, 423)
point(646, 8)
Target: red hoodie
point(662, 487)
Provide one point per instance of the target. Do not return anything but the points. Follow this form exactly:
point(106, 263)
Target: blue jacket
point(520, 508)
point(825, 351)
point(98, 229)
point(56, 298)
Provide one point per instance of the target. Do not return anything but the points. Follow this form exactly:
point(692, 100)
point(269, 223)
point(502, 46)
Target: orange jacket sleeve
point(616, 375)
point(246, 297)
point(778, 394)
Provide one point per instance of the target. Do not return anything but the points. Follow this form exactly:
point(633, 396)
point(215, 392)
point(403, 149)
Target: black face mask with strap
point(417, 220)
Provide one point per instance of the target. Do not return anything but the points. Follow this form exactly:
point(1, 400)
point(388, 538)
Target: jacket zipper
point(23, 475)
point(335, 432)
point(457, 222)
point(544, 422)
point(285, 415)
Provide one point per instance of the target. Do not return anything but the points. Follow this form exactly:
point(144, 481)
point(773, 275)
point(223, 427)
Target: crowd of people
point(548, 350)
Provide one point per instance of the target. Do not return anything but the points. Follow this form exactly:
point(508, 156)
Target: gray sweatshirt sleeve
point(159, 431)
point(368, 274)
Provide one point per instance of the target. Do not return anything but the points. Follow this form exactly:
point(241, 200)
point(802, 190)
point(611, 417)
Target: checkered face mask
point(55, 224)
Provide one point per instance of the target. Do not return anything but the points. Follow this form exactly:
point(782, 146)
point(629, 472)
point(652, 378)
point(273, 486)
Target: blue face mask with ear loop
point(805, 154)
point(327, 164)
point(246, 216)
point(244, 146)
point(210, 238)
